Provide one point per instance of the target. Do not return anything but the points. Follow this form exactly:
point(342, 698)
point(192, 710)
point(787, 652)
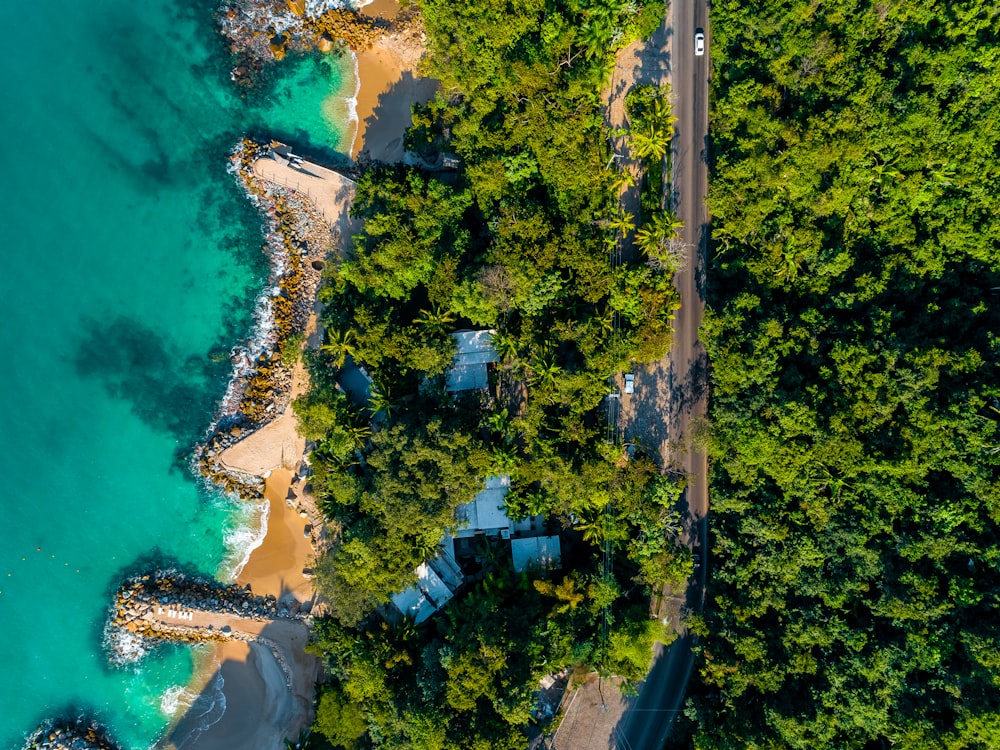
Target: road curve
point(647, 722)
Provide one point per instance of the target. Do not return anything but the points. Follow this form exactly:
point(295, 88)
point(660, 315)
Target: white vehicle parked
point(699, 42)
point(629, 382)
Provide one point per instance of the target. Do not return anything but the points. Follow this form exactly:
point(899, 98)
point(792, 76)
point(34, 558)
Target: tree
point(650, 142)
point(435, 319)
point(845, 341)
point(659, 238)
point(412, 222)
point(340, 346)
point(339, 720)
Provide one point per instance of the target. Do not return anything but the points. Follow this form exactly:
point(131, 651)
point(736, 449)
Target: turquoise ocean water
point(127, 257)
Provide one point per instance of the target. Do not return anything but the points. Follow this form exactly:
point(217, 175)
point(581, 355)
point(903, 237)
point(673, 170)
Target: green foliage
point(854, 364)
point(517, 240)
point(338, 719)
point(291, 349)
point(405, 497)
point(411, 224)
point(630, 646)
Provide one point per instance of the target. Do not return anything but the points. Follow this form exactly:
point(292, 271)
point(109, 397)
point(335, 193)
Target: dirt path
point(643, 413)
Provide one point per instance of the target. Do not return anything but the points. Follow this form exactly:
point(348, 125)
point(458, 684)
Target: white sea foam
point(353, 124)
point(316, 7)
point(357, 78)
point(123, 646)
point(177, 698)
point(243, 539)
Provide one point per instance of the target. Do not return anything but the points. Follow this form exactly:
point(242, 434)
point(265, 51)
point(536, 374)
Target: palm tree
point(789, 264)
point(622, 222)
point(435, 319)
point(650, 141)
point(537, 503)
point(660, 115)
point(505, 345)
point(594, 35)
point(593, 531)
point(499, 421)
point(622, 179)
point(504, 459)
point(669, 224)
point(546, 371)
point(359, 433)
point(655, 235)
point(672, 523)
point(340, 346)
point(605, 322)
point(379, 400)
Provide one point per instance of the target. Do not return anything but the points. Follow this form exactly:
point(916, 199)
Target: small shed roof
point(467, 378)
point(474, 347)
point(425, 597)
point(473, 351)
point(487, 512)
point(539, 552)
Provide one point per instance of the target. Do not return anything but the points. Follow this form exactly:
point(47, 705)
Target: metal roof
point(537, 552)
point(425, 597)
point(487, 512)
point(473, 351)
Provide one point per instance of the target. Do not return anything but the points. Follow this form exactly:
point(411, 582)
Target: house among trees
point(486, 515)
point(536, 553)
point(436, 583)
point(470, 366)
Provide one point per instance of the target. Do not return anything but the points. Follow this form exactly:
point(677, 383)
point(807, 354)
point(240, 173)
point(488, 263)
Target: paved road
point(647, 722)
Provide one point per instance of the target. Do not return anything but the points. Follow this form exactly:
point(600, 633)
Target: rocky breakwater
point(170, 606)
point(298, 244)
point(70, 735)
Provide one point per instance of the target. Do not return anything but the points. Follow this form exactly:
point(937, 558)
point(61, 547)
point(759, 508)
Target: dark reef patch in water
point(138, 364)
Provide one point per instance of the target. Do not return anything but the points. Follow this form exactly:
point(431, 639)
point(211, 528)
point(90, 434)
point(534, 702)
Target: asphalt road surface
point(647, 722)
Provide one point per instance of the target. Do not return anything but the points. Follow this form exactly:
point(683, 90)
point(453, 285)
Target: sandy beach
point(269, 685)
point(390, 86)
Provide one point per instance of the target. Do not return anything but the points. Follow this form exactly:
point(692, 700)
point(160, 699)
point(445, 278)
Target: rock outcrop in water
point(70, 735)
point(260, 31)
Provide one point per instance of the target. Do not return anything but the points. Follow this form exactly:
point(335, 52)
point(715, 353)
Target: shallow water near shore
point(131, 262)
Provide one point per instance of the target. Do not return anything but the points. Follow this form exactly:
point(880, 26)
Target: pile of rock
point(139, 594)
point(71, 735)
point(140, 597)
point(299, 242)
point(259, 31)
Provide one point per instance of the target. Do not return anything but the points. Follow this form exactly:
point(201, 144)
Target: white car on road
point(699, 42)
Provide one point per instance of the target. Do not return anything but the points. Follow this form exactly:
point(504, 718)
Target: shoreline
point(263, 458)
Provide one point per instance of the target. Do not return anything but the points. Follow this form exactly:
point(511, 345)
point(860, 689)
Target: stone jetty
point(300, 241)
point(70, 735)
point(170, 606)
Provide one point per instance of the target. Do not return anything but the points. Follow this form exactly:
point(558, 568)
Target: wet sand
point(261, 710)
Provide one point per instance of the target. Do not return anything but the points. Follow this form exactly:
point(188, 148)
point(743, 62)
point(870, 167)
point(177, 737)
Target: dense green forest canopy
point(852, 332)
point(518, 240)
